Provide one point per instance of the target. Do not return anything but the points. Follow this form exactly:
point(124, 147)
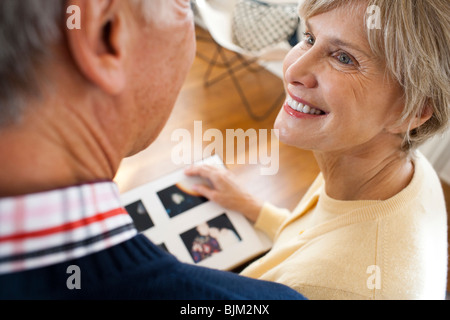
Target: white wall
point(445, 172)
point(437, 150)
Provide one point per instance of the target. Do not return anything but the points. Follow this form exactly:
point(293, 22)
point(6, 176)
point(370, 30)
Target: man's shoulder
point(168, 278)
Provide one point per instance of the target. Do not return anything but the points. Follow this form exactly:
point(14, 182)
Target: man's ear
point(98, 47)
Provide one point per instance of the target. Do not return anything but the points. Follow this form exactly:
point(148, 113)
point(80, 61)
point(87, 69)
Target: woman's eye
point(309, 39)
point(344, 58)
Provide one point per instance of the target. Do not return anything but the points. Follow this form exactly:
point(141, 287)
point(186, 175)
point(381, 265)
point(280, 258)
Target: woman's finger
point(204, 171)
point(204, 191)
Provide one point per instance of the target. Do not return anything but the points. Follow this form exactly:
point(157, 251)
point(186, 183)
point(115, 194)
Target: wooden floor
point(219, 107)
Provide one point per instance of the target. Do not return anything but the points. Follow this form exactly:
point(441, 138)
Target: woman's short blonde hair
point(413, 39)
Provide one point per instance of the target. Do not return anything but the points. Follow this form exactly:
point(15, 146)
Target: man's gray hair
point(28, 28)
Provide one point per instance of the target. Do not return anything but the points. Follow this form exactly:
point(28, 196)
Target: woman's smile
point(299, 108)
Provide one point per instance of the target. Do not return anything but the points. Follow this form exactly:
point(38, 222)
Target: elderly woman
point(362, 94)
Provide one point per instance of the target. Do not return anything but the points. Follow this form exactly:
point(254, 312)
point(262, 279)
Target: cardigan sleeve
point(270, 219)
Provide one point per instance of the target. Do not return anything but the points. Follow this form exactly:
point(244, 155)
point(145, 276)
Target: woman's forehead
point(341, 29)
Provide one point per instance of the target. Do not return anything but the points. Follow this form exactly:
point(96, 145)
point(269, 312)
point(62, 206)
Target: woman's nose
point(301, 69)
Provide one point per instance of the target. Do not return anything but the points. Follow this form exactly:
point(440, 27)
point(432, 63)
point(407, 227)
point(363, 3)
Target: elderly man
point(74, 101)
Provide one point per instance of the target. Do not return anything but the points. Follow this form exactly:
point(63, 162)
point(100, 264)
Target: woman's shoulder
point(424, 194)
point(425, 187)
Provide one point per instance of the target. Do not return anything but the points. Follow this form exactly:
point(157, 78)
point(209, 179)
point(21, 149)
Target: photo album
point(189, 226)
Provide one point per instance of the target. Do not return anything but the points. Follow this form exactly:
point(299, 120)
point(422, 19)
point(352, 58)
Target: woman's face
point(352, 102)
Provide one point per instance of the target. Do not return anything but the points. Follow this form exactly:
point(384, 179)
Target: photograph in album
point(140, 216)
point(210, 237)
point(179, 198)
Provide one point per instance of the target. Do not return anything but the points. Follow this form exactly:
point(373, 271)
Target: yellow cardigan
point(330, 249)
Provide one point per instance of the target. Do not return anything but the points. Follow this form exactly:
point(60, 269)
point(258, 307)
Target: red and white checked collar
point(46, 228)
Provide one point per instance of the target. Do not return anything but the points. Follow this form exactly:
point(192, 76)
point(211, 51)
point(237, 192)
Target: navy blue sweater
point(138, 269)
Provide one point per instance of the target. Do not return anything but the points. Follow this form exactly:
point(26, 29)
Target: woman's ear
point(426, 115)
point(417, 121)
point(99, 46)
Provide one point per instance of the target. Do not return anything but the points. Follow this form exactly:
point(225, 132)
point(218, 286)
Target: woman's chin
point(291, 135)
point(285, 132)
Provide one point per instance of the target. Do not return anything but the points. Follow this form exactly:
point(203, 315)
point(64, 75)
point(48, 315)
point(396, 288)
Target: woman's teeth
point(300, 107)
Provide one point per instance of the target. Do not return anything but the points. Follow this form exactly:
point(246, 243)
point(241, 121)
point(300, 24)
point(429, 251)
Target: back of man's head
point(27, 29)
point(85, 83)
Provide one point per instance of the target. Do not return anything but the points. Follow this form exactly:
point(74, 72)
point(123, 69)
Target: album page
point(192, 228)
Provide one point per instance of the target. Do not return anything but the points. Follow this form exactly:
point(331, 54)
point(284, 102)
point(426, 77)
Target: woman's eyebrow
point(341, 43)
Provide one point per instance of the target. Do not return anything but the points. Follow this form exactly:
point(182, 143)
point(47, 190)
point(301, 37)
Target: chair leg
point(227, 64)
point(211, 65)
point(240, 91)
point(249, 65)
point(213, 60)
point(230, 72)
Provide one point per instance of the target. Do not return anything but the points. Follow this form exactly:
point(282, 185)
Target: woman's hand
point(225, 191)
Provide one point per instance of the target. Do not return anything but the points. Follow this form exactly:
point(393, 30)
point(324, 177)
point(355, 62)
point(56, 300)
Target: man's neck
point(41, 154)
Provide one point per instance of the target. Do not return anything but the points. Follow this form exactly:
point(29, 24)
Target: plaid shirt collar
point(46, 228)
